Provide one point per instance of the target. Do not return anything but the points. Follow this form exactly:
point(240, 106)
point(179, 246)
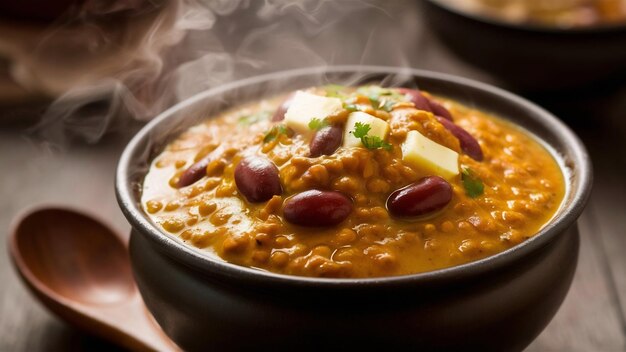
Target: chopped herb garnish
point(351, 107)
point(388, 105)
point(374, 91)
point(334, 90)
point(317, 124)
point(473, 185)
point(274, 133)
point(381, 98)
point(361, 131)
point(251, 119)
point(375, 102)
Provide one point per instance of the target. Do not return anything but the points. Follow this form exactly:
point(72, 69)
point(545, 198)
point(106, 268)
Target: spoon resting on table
point(80, 270)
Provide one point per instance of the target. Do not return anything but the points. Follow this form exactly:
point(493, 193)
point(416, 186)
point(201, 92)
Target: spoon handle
point(142, 330)
point(136, 328)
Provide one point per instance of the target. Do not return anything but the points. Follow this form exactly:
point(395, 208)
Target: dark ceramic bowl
point(531, 57)
point(498, 303)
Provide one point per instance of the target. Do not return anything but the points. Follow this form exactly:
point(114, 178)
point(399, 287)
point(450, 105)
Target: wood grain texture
point(587, 320)
point(592, 317)
point(82, 177)
point(607, 145)
point(46, 249)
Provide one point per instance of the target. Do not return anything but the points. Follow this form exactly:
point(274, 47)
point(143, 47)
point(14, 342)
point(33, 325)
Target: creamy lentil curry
point(353, 182)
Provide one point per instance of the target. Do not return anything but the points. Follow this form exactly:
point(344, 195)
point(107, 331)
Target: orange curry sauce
point(523, 187)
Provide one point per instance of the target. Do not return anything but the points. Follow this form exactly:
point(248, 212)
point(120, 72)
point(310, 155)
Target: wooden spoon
point(80, 270)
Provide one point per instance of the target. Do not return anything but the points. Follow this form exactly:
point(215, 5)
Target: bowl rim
point(531, 27)
point(207, 263)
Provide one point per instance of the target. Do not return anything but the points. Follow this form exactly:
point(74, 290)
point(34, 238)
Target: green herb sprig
point(473, 185)
point(335, 91)
point(351, 107)
point(361, 131)
point(381, 98)
point(316, 124)
point(275, 132)
point(251, 119)
point(387, 105)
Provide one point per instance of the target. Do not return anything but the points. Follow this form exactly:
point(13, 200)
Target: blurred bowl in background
point(66, 54)
point(531, 57)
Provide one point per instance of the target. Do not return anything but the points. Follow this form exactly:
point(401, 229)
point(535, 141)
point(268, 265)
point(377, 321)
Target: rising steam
point(113, 65)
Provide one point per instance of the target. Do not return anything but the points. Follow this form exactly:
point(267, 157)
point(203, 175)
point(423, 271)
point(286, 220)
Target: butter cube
point(306, 106)
point(422, 152)
point(379, 128)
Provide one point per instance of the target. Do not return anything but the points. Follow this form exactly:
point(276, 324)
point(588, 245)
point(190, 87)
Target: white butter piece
point(306, 106)
point(422, 152)
point(378, 128)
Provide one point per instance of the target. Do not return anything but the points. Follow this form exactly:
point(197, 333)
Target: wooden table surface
point(593, 316)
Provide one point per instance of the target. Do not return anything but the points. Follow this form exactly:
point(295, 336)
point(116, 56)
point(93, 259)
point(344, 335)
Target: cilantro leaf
point(334, 90)
point(351, 107)
point(251, 119)
point(374, 101)
point(473, 185)
point(274, 133)
point(316, 124)
point(361, 131)
point(388, 105)
point(374, 142)
point(381, 98)
point(373, 91)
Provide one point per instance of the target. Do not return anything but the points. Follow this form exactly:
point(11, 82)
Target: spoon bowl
point(79, 268)
point(75, 256)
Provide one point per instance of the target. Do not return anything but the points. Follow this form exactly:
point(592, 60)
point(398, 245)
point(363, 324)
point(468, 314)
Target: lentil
point(523, 188)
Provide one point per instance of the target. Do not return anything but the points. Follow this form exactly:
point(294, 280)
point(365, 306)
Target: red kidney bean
point(423, 103)
point(195, 172)
point(316, 208)
point(257, 179)
point(417, 98)
point(198, 169)
point(279, 114)
point(326, 141)
point(469, 144)
point(440, 111)
point(425, 196)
